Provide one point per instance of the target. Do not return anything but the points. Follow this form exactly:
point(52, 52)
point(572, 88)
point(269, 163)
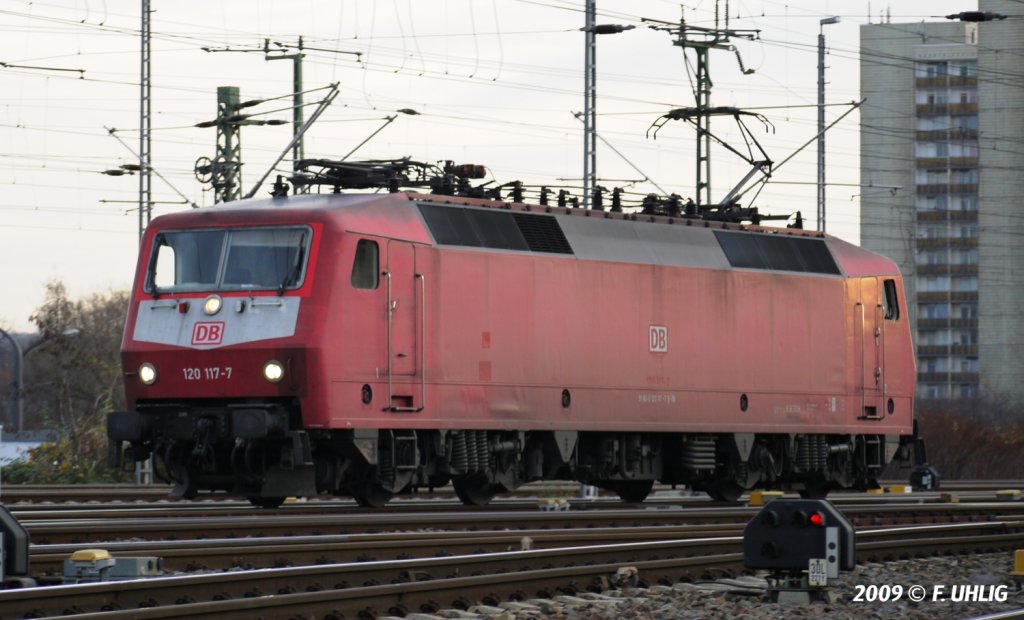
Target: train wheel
point(724, 491)
point(265, 502)
point(475, 491)
point(632, 491)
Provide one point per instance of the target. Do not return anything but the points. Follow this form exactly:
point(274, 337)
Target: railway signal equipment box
point(804, 542)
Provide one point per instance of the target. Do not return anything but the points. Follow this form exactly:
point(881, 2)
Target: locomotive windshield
point(228, 260)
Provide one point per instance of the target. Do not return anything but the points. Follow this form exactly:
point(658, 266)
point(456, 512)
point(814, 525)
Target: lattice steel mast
point(701, 40)
point(145, 124)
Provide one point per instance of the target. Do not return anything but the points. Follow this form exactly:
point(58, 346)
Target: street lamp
point(14, 379)
point(17, 412)
point(821, 118)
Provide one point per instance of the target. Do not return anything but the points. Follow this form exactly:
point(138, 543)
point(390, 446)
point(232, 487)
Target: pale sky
point(495, 83)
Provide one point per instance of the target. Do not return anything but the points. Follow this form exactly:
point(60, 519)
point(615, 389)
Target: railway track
point(62, 494)
point(427, 584)
point(698, 538)
point(85, 527)
point(226, 553)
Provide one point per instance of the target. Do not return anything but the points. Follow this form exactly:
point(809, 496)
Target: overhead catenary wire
point(497, 121)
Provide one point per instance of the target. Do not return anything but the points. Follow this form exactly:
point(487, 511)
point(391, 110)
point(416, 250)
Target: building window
point(965, 311)
point(932, 338)
point(933, 123)
point(969, 284)
point(969, 390)
point(965, 257)
point(965, 122)
point(968, 231)
point(966, 337)
point(933, 257)
point(934, 311)
point(931, 390)
point(932, 203)
point(969, 175)
point(933, 284)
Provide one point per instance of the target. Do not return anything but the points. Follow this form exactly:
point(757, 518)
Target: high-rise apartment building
point(942, 165)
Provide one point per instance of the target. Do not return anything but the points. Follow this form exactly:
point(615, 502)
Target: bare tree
point(974, 438)
point(72, 379)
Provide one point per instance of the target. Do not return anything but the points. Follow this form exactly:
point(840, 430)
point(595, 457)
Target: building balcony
point(947, 135)
point(933, 350)
point(932, 109)
point(947, 323)
point(932, 243)
point(923, 298)
point(942, 216)
point(964, 349)
point(937, 163)
point(944, 109)
point(947, 269)
point(948, 377)
point(938, 189)
point(963, 216)
point(945, 350)
point(943, 81)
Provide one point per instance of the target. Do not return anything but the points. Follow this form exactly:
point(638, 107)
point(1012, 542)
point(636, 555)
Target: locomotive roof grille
point(502, 230)
point(777, 252)
point(542, 233)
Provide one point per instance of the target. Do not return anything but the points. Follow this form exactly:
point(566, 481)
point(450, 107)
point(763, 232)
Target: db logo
point(208, 333)
point(659, 339)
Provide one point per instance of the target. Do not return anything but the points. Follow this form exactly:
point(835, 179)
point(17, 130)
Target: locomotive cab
point(214, 315)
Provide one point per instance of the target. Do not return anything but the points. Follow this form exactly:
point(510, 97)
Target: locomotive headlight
point(273, 371)
point(212, 305)
point(147, 374)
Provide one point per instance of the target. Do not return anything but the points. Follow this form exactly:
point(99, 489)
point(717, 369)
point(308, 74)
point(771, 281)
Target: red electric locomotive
point(370, 344)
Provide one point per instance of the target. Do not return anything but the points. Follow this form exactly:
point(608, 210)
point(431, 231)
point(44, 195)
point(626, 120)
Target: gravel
point(986, 576)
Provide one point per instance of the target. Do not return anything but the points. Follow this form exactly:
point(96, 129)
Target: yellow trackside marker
point(760, 498)
point(948, 498)
point(1008, 494)
point(1018, 563)
point(899, 488)
point(878, 491)
point(90, 555)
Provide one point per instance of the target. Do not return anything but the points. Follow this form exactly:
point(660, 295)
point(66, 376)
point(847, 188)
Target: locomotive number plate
point(210, 373)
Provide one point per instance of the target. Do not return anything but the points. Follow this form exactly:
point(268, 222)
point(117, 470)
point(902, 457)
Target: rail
point(356, 590)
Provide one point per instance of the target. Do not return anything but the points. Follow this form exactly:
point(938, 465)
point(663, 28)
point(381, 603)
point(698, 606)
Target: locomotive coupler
point(206, 428)
point(126, 426)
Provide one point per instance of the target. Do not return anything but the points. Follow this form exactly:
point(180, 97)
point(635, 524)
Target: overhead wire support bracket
point(701, 39)
point(113, 133)
point(298, 136)
point(740, 192)
point(647, 178)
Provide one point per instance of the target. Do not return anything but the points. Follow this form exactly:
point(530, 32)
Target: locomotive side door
point(405, 322)
point(871, 339)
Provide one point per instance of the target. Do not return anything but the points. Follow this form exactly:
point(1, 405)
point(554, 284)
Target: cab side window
point(366, 266)
point(890, 301)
